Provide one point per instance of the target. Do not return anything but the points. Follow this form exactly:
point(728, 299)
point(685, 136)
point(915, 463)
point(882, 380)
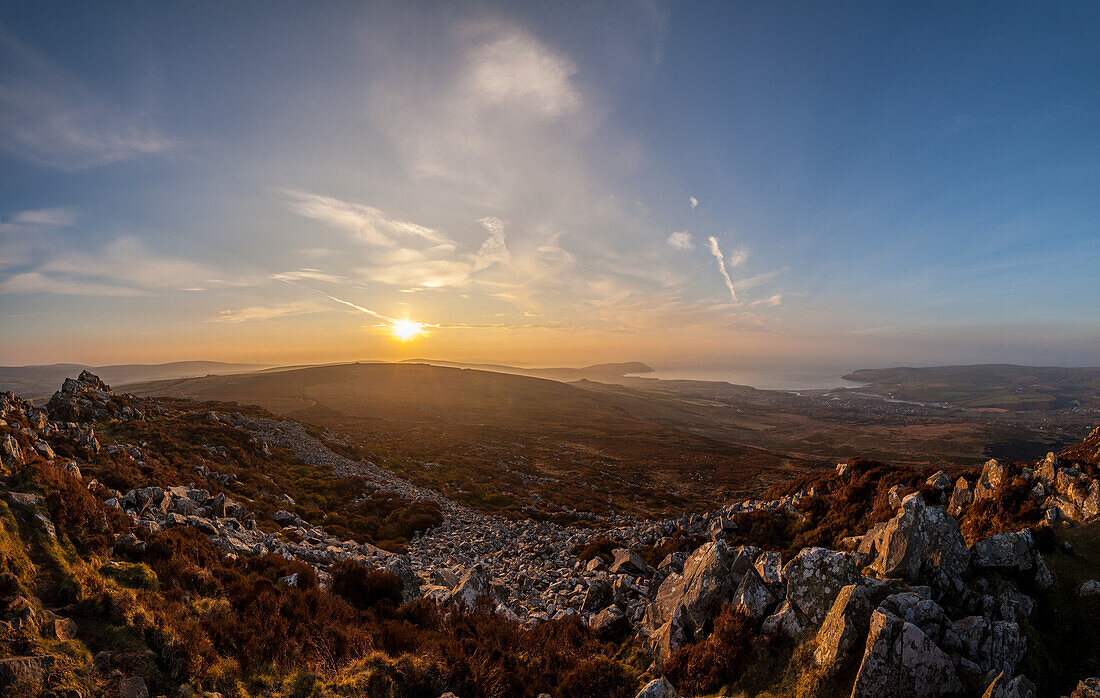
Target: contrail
point(717, 252)
point(368, 311)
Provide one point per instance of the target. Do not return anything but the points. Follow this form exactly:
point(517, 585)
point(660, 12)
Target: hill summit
point(176, 547)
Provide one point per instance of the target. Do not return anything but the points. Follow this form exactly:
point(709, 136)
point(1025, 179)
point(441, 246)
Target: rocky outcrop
point(846, 623)
point(86, 398)
point(919, 537)
point(814, 579)
point(900, 660)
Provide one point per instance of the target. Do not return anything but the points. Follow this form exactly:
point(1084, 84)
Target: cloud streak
point(680, 241)
point(717, 252)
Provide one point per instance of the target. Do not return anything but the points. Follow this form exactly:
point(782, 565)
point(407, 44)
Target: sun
point(406, 329)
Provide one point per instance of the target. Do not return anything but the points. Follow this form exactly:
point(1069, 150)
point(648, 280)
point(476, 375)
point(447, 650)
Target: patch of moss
point(133, 575)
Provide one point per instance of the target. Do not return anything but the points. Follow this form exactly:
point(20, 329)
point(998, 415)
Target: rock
point(993, 474)
point(473, 585)
point(1087, 688)
point(410, 582)
point(10, 453)
point(993, 646)
point(26, 673)
point(787, 621)
point(1007, 551)
point(658, 688)
point(597, 597)
point(133, 687)
point(670, 637)
point(938, 481)
point(1005, 687)
point(44, 449)
point(628, 562)
point(902, 662)
point(752, 596)
point(609, 622)
point(814, 579)
point(918, 533)
point(24, 500)
point(961, 497)
point(1089, 589)
point(769, 565)
point(706, 583)
point(842, 470)
point(846, 622)
point(72, 469)
point(1044, 578)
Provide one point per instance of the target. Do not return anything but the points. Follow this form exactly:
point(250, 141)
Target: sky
point(687, 184)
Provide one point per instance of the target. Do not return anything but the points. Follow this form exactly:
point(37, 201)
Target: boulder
point(133, 687)
point(814, 579)
point(787, 621)
point(1006, 551)
point(993, 474)
point(473, 585)
point(410, 582)
point(847, 621)
point(1087, 688)
point(938, 481)
point(10, 453)
point(916, 534)
point(598, 596)
point(961, 497)
point(26, 673)
point(752, 596)
point(706, 583)
point(670, 637)
point(1089, 589)
point(1005, 686)
point(658, 688)
point(608, 623)
point(769, 565)
point(991, 645)
point(900, 661)
point(628, 562)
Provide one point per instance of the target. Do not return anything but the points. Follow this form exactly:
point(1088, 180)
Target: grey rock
point(814, 579)
point(658, 688)
point(899, 660)
point(847, 621)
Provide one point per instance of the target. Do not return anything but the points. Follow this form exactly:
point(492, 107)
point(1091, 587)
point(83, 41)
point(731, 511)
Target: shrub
point(718, 660)
point(363, 587)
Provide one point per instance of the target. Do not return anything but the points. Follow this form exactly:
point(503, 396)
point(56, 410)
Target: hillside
point(158, 546)
point(34, 381)
point(504, 442)
point(992, 386)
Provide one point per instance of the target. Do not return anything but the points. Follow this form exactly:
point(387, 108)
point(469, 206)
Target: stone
point(752, 597)
point(26, 673)
point(628, 562)
point(10, 453)
point(410, 582)
point(993, 474)
point(992, 645)
point(597, 597)
point(939, 481)
point(1089, 589)
point(1004, 686)
point(609, 622)
point(133, 687)
point(961, 497)
point(658, 688)
point(1087, 688)
point(706, 583)
point(1007, 551)
point(846, 622)
point(900, 661)
point(670, 637)
point(473, 585)
point(787, 621)
point(918, 533)
point(814, 579)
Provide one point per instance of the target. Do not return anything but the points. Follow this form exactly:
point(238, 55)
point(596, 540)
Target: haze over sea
point(762, 378)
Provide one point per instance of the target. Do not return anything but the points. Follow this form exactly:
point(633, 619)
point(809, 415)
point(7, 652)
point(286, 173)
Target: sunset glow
point(406, 329)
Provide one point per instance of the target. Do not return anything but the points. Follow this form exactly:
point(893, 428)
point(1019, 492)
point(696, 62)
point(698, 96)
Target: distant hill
point(35, 381)
point(602, 372)
point(991, 386)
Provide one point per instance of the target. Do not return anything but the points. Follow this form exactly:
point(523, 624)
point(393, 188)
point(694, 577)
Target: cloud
point(717, 252)
point(51, 118)
point(681, 241)
point(515, 69)
point(308, 274)
point(770, 302)
point(52, 217)
point(366, 223)
point(265, 312)
point(123, 267)
point(693, 202)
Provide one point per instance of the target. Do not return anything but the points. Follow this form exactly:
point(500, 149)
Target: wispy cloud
point(368, 224)
point(124, 267)
point(681, 241)
point(51, 118)
point(266, 312)
point(52, 217)
point(717, 252)
point(693, 202)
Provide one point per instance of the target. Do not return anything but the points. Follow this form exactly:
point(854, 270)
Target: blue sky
point(283, 182)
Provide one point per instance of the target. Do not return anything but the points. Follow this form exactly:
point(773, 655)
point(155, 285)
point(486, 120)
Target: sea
point(794, 379)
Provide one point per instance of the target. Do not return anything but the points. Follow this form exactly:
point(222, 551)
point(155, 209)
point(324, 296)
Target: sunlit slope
point(503, 442)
